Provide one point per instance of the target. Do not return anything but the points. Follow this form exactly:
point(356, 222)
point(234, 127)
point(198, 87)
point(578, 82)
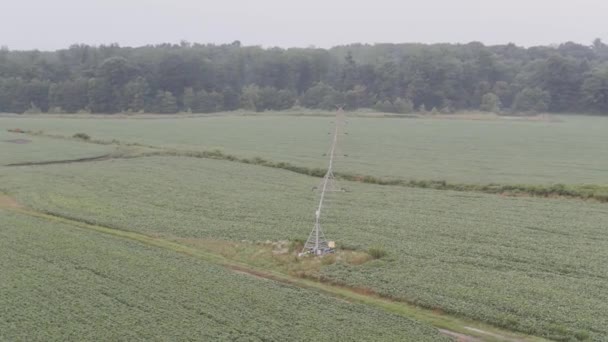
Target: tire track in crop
point(66, 161)
point(460, 329)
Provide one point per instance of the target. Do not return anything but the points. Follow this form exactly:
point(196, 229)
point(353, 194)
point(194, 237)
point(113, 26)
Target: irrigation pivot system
point(317, 244)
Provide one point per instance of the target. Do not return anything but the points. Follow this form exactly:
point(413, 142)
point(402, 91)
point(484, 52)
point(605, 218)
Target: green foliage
point(399, 106)
point(582, 335)
point(322, 96)
point(357, 98)
point(110, 79)
point(135, 94)
point(165, 102)
point(403, 106)
point(561, 77)
point(189, 99)
point(377, 252)
point(490, 102)
point(207, 102)
point(270, 98)
point(285, 99)
point(70, 95)
point(17, 94)
point(82, 136)
point(101, 96)
point(231, 99)
point(384, 106)
point(533, 100)
point(595, 91)
point(296, 245)
point(116, 71)
point(250, 97)
point(505, 92)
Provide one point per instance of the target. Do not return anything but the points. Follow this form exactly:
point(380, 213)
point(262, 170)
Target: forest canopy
point(399, 78)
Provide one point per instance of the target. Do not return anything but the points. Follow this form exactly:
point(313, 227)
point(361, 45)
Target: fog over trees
point(399, 78)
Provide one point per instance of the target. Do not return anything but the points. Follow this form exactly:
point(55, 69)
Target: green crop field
point(62, 283)
point(512, 262)
point(18, 148)
point(570, 150)
point(531, 265)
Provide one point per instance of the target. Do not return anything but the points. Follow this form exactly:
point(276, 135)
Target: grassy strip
point(576, 191)
point(451, 324)
point(583, 191)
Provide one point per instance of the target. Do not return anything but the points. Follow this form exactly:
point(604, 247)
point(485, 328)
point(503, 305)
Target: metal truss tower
point(317, 244)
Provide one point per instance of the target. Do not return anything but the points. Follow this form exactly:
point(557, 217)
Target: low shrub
point(16, 130)
point(82, 136)
point(296, 245)
point(377, 252)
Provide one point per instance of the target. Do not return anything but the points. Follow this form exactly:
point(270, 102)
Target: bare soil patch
point(9, 202)
point(249, 273)
point(459, 337)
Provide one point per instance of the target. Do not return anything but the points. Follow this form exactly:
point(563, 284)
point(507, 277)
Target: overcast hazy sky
point(53, 24)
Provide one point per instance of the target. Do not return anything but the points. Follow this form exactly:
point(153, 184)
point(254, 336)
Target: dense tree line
point(397, 78)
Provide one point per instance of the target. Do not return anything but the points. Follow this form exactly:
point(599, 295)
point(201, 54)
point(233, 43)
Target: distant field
point(533, 265)
point(20, 148)
point(62, 283)
point(571, 151)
